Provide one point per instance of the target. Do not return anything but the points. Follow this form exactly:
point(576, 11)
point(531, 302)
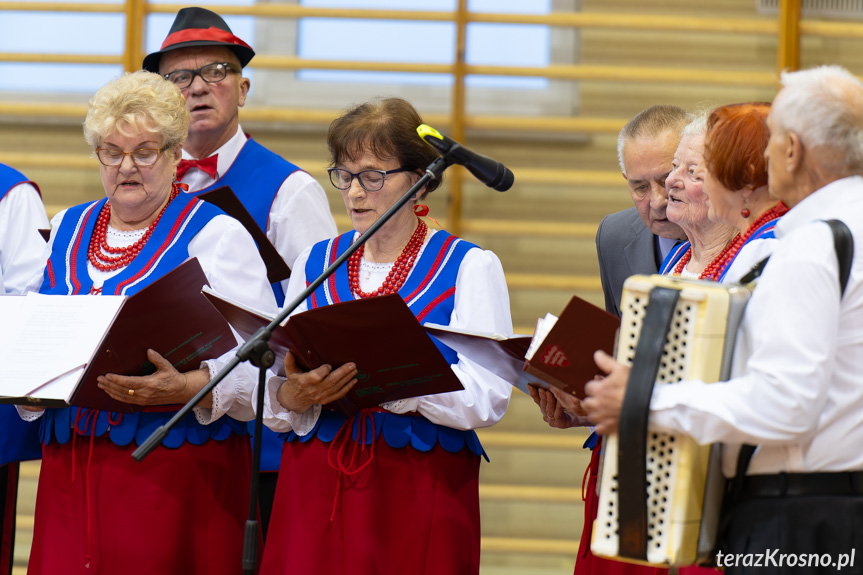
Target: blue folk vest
point(429, 292)
point(10, 177)
point(255, 178)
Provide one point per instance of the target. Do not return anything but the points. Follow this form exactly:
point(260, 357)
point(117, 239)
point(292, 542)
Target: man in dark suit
point(636, 240)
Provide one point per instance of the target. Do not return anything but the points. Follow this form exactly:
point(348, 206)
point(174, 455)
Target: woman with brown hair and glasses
point(400, 496)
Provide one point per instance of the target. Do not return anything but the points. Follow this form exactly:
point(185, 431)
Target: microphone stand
point(258, 352)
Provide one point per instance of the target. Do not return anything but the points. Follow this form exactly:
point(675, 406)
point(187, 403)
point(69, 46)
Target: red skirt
point(179, 511)
point(8, 503)
point(405, 511)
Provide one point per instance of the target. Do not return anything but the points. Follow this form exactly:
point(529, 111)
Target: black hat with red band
point(199, 27)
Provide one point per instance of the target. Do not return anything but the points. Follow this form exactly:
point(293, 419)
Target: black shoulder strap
point(843, 243)
point(755, 272)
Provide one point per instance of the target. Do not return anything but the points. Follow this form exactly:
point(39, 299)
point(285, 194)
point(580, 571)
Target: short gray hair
point(651, 121)
point(823, 106)
point(137, 101)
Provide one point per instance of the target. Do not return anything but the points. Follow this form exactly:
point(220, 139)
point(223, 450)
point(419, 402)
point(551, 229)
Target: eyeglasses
point(211, 73)
point(370, 180)
point(141, 156)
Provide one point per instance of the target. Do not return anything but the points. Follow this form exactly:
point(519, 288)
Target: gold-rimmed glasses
point(141, 156)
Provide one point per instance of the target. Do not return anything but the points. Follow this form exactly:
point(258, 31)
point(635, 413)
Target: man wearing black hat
point(205, 60)
point(203, 57)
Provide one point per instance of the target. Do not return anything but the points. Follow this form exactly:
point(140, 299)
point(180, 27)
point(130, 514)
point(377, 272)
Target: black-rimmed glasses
point(141, 156)
point(370, 180)
point(211, 73)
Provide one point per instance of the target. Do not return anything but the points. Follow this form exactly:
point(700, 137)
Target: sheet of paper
point(501, 355)
point(543, 326)
point(60, 388)
point(208, 290)
point(46, 336)
point(458, 330)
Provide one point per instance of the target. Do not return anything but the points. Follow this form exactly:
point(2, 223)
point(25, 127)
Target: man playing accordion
point(795, 390)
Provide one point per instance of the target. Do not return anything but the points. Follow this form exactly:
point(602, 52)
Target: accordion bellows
point(684, 481)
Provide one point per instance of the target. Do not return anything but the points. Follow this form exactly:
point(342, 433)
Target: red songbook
point(170, 316)
point(563, 358)
point(559, 354)
point(395, 357)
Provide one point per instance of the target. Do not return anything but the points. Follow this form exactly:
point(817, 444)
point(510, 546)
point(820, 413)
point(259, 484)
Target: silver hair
point(651, 121)
point(823, 106)
point(697, 126)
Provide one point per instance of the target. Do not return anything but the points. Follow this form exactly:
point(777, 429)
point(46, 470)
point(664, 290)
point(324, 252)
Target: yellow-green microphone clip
point(425, 130)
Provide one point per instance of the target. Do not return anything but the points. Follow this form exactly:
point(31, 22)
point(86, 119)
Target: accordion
point(660, 494)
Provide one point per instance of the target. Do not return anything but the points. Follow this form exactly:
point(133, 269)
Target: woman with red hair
point(735, 181)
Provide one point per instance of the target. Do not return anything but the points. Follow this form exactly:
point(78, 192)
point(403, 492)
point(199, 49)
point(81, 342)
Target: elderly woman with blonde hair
point(182, 509)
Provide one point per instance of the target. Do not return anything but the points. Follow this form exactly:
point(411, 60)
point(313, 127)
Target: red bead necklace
point(106, 258)
point(716, 268)
point(710, 269)
point(399, 272)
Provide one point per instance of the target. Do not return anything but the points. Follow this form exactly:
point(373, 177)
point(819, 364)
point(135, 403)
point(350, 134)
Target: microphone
point(488, 171)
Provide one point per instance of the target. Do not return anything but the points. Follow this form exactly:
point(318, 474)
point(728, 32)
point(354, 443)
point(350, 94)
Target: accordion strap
point(843, 243)
point(632, 432)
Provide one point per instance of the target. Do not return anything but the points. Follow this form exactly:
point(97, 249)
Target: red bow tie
point(207, 165)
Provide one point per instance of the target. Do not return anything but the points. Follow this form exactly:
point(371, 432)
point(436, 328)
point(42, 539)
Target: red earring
point(745, 211)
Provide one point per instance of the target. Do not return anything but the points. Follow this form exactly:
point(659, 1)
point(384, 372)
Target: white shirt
point(799, 351)
point(22, 215)
point(666, 245)
point(481, 304)
point(229, 257)
point(300, 215)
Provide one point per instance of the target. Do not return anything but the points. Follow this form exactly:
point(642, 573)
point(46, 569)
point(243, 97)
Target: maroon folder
point(170, 316)
point(395, 357)
point(225, 199)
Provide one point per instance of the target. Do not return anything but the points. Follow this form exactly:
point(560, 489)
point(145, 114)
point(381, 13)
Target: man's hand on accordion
point(559, 409)
point(605, 395)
